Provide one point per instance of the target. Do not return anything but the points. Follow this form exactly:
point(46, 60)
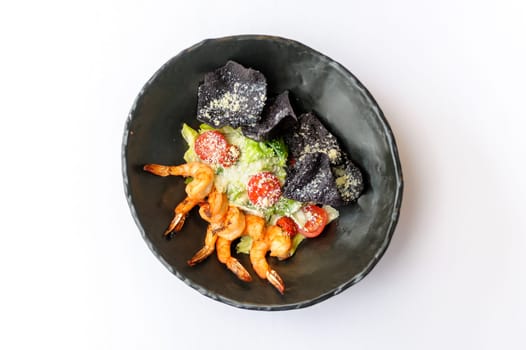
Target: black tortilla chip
point(349, 180)
point(231, 95)
point(334, 172)
point(309, 135)
point(277, 117)
point(311, 180)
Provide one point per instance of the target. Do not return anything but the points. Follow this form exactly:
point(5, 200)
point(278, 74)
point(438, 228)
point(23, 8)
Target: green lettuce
point(296, 240)
point(245, 243)
point(189, 135)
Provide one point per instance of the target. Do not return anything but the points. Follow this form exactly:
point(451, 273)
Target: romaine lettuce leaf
point(244, 245)
point(189, 135)
point(296, 240)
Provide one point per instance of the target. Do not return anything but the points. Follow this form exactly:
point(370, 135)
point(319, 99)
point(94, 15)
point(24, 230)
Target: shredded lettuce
point(255, 157)
point(244, 245)
point(205, 127)
point(296, 240)
point(189, 135)
point(280, 150)
point(255, 151)
point(237, 192)
point(285, 207)
point(332, 213)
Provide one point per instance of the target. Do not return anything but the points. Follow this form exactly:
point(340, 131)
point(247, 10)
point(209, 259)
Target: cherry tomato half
point(210, 146)
point(287, 225)
point(264, 189)
point(316, 220)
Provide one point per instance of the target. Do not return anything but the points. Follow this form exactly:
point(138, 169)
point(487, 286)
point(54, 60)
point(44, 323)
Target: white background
point(75, 272)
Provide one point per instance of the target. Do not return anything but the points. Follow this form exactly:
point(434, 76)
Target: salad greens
point(255, 157)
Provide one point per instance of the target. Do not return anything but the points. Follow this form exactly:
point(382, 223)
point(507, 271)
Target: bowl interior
point(322, 267)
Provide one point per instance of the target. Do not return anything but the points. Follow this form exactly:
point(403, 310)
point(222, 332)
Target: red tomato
point(287, 225)
point(316, 221)
point(230, 156)
point(210, 146)
point(264, 189)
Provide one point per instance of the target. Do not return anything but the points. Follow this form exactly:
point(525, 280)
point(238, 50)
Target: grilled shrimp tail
point(235, 266)
point(276, 281)
point(201, 255)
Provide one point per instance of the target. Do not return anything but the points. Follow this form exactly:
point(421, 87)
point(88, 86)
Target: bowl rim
point(395, 213)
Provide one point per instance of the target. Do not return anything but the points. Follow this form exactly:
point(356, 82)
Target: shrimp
point(261, 244)
point(181, 212)
point(254, 227)
point(280, 242)
point(215, 208)
point(224, 256)
point(208, 248)
point(202, 174)
point(259, 263)
point(234, 224)
point(224, 232)
point(213, 211)
point(196, 190)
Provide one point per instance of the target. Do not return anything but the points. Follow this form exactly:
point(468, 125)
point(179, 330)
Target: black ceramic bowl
point(322, 267)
